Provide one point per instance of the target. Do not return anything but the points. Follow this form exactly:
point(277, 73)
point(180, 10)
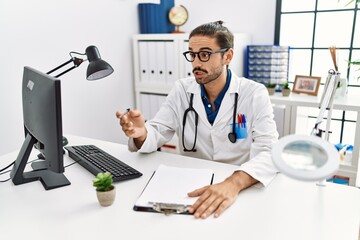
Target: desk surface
point(286, 209)
point(351, 102)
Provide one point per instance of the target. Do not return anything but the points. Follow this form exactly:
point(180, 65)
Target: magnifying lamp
point(310, 158)
point(306, 158)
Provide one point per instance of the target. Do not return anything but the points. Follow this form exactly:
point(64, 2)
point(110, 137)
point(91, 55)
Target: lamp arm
point(326, 103)
point(75, 60)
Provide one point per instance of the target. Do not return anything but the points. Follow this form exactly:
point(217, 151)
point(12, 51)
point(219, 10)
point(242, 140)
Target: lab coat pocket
point(241, 131)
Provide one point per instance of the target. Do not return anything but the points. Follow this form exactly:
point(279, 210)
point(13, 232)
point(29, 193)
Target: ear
point(228, 56)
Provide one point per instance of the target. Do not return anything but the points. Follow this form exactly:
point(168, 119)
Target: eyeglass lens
point(204, 56)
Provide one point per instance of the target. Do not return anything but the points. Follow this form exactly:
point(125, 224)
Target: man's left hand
point(218, 197)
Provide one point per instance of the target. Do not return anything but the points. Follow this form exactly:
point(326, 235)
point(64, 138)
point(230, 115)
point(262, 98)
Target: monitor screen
point(41, 99)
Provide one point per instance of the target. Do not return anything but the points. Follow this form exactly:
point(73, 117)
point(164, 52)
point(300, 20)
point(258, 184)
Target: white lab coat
point(253, 154)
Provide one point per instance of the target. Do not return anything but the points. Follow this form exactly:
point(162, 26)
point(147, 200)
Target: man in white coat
point(201, 110)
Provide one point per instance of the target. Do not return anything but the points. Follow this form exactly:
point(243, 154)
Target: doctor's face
point(215, 68)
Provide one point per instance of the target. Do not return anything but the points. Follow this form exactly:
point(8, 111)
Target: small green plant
point(271, 85)
point(355, 63)
point(103, 182)
point(350, 1)
point(286, 85)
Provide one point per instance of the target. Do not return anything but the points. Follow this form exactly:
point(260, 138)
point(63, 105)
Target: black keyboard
point(96, 160)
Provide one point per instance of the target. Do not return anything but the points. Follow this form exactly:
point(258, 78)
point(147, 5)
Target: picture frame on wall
point(306, 84)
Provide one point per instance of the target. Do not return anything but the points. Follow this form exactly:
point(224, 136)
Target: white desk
point(349, 103)
point(287, 209)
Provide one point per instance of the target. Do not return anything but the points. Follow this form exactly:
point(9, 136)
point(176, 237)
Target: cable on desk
point(1, 171)
point(71, 164)
point(2, 181)
point(7, 166)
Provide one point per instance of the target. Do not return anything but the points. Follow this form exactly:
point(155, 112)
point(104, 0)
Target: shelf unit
point(158, 63)
point(267, 63)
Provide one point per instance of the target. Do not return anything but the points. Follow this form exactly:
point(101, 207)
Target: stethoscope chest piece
point(232, 137)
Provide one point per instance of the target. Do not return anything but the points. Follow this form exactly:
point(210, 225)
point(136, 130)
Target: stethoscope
point(232, 135)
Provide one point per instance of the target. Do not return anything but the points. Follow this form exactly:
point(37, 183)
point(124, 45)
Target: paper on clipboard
point(170, 185)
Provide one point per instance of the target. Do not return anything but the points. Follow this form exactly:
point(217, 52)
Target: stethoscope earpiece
point(232, 137)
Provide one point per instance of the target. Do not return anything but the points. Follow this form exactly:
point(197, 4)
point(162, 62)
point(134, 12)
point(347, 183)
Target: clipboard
point(166, 191)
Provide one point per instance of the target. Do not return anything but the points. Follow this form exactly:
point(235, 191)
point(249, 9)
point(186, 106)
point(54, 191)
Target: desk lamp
point(97, 68)
point(310, 158)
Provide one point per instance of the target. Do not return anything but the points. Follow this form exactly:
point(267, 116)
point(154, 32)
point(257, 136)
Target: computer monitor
point(41, 99)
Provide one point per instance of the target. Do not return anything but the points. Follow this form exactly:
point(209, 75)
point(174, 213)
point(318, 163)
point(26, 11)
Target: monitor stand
point(49, 179)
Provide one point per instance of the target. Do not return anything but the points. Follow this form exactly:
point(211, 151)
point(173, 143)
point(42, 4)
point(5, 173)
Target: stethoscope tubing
point(232, 135)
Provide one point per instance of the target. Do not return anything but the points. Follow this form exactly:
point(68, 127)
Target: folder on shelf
point(154, 105)
point(145, 105)
point(160, 100)
point(167, 5)
point(143, 61)
point(166, 191)
point(152, 61)
point(171, 61)
point(153, 17)
point(160, 58)
point(187, 65)
point(142, 11)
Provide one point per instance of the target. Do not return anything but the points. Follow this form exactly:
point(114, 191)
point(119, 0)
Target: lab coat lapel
point(227, 104)
point(198, 104)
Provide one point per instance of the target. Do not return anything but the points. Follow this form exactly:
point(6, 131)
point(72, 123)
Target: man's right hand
point(133, 125)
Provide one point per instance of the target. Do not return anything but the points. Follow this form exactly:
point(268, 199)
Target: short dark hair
point(224, 38)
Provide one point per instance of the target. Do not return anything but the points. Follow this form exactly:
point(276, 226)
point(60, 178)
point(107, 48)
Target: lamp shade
point(97, 68)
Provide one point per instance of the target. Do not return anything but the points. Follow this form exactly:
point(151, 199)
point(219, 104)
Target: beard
point(206, 76)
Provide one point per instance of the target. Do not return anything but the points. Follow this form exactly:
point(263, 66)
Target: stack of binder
point(153, 17)
point(157, 62)
point(267, 63)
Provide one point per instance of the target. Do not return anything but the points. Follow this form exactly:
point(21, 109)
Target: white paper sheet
point(171, 185)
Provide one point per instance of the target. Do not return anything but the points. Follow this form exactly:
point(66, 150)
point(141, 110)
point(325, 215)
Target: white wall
point(256, 17)
point(41, 33)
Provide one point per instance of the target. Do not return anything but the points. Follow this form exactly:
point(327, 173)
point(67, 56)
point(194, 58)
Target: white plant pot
point(106, 198)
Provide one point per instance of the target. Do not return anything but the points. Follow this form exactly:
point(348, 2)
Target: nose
point(197, 62)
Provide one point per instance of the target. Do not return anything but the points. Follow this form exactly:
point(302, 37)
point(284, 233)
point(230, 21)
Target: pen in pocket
point(243, 120)
point(239, 120)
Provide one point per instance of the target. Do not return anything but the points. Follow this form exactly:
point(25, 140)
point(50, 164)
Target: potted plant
point(356, 64)
point(105, 190)
point(350, 1)
point(271, 88)
point(285, 90)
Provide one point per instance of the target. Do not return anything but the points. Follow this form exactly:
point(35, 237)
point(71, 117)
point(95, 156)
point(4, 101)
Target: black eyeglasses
point(203, 56)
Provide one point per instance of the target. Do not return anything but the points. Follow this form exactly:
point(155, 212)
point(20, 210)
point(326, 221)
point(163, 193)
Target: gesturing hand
point(133, 125)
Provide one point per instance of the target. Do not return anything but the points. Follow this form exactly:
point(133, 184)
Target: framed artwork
point(306, 84)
